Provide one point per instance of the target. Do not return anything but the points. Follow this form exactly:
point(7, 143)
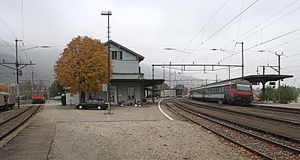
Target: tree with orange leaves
point(82, 66)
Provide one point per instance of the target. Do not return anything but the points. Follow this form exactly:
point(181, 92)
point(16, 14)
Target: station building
point(128, 84)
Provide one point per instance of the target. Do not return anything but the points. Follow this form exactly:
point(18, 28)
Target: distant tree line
point(283, 94)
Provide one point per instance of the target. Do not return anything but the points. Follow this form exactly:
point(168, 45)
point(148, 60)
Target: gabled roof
point(140, 57)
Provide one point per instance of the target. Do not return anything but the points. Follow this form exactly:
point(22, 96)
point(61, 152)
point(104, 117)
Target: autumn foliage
point(3, 88)
point(82, 66)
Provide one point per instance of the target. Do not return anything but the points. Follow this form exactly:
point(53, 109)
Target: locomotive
point(237, 91)
point(38, 96)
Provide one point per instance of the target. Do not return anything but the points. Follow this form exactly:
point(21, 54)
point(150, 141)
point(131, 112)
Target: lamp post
point(108, 13)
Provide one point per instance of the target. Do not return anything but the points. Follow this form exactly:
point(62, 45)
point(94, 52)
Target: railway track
point(264, 146)
point(277, 109)
point(247, 113)
point(269, 126)
point(13, 123)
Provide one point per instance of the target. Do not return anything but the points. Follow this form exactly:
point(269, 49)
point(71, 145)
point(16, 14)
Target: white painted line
point(163, 111)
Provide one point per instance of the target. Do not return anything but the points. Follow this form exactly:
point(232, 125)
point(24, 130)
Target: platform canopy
point(265, 78)
point(146, 82)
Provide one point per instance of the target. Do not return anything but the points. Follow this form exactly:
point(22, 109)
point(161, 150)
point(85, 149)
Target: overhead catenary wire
point(268, 25)
point(6, 43)
point(287, 42)
point(206, 24)
point(240, 21)
point(248, 33)
point(22, 18)
point(7, 27)
point(225, 25)
point(267, 41)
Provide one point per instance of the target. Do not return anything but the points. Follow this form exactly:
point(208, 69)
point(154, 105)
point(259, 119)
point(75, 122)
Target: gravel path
point(162, 139)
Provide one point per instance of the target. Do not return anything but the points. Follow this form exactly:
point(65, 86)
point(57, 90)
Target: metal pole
point(170, 76)
point(17, 73)
point(229, 71)
point(108, 65)
point(242, 59)
point(279, 68)
point(153, 83)
point(164, 76)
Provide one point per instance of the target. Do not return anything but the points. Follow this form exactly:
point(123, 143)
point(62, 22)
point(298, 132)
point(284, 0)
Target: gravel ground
point(162, 139)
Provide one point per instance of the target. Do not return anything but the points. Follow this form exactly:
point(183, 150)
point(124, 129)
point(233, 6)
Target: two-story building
point(127, 82)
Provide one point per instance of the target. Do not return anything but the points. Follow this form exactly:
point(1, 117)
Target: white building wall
point(128, 76)
point(168, 93)
point(123, 66)
point(122, 89)
point(72, 99)
point(128, 64)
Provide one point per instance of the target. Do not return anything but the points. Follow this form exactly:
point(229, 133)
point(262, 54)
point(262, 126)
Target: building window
point(120, 55)
point(116, 55)
point(130, 92)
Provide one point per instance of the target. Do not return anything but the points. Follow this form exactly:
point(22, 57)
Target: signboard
point(104, 87)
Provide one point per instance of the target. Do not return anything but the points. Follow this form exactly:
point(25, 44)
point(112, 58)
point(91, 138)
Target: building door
point(113, 95)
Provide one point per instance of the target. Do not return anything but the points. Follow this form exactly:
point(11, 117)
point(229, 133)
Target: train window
point(233, 86)
point(243, 87)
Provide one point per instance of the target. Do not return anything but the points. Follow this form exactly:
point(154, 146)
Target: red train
point(38, 97)
point(236, 91)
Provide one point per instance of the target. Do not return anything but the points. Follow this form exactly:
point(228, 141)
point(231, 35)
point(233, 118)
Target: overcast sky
point(192, 27)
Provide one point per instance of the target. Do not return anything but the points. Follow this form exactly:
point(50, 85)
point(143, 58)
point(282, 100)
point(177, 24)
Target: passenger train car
point(236, 91)
point(7, 100)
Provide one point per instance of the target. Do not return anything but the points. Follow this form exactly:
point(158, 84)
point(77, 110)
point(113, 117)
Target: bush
point(268, 95)
point(283, 94)
point(286, 94)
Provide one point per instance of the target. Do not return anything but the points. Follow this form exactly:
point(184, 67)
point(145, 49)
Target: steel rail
point(247, 114)
point(196, 113)
point(255, 129)
point(277, 109)
point(18, 125)
point(218, 133)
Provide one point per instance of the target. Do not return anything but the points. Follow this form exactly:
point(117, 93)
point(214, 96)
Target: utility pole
point(18, 67)
point(17, 72)
point(32, 81)
point(152, 84)
point(242, 43)
point(279, 55)
point(108, 13)
point(170, 76)
point(229, 72)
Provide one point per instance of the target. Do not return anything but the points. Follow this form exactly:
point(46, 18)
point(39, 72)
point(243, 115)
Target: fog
point(147, 27)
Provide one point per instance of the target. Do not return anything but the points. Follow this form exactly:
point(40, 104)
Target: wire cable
point(225, 25)
point(270, 40)
point(22, 17)
point(207, 23)
point(245, 35)
point(6, 43)
point(7, 27)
